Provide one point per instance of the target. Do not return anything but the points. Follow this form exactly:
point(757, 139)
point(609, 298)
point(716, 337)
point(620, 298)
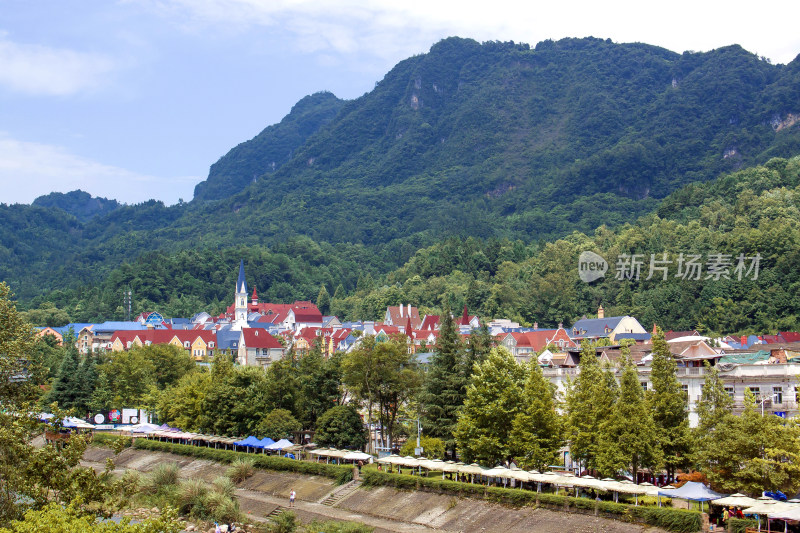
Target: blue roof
point(634, 336)
point(118, 326)
point(594, 327)
point(76, 327)
point(227, 340)
point(241, 285)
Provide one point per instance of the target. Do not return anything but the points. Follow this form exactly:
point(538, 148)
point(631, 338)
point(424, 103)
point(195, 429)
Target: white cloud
point(42, 70)
point(29, 170)
point(390, 29)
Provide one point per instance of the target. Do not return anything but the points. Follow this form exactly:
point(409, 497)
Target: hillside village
point(258, 333)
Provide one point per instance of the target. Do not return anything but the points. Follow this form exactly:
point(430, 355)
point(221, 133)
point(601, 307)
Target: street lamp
point(764, 399)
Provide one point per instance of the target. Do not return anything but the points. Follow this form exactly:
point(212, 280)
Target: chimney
point(409, 309)
point(601, 312)
point(535, 325)
point(744, 340)
point(560, 325)
point(401, 310)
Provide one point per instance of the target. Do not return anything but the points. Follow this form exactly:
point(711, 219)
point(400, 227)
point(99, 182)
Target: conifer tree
point(668, 404)
point(537, 431)
point(584, 414)
point(445, 385)
point(86, 380)
point(493, 400)
point(65, 386)
point(629, 441)
point(323, 300)
point(480, 344)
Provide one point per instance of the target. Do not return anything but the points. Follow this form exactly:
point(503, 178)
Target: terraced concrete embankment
point(384, 508)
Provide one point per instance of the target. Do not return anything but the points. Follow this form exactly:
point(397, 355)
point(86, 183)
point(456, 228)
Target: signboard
point(115, 416)
point(781, 414)
point(99, 418)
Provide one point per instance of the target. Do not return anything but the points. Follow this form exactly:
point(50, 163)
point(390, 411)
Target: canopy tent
point(250, 441)
point(277, 446)
point(694, 491)
point(143, 428)
point(390, 459)
point(72, 422)
point(263, 443)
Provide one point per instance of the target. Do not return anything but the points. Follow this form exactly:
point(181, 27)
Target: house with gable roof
point(604, 327)
point(258, 348)
point(398, 315)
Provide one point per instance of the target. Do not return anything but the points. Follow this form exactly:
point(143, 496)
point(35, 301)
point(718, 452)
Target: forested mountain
point(79, 204)
point(495, 141)
point(270, 149)
point(755, 211)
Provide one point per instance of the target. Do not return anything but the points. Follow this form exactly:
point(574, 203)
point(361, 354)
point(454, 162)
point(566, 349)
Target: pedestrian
point(292, 494)
point(725, 515)
point(216, 528)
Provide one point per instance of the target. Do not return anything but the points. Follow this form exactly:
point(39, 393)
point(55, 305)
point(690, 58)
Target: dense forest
point(472, 174)
point(749, 212)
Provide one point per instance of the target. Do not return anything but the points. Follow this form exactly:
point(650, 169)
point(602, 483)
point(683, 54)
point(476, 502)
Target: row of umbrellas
point(347, 455)
point(566, 480)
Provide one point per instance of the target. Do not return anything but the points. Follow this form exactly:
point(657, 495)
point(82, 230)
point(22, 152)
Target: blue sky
point(135, 99)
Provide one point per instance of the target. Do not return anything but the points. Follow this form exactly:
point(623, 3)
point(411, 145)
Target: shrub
point(240, 470)
point(286, 522)
point(191, 498)
point(129, 483)
point(740, 525)
point(332, 526)
point(162, 477)
point(224, 486)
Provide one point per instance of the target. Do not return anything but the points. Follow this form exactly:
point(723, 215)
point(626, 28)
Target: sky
point(135, 99)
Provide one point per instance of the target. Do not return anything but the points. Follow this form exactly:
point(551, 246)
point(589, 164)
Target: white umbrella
point(736, 500)
point(357, 456)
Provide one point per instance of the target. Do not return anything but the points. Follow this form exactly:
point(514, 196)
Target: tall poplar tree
point(669, 408)
point(589, 399)
point(629, 440)
point(537, 431)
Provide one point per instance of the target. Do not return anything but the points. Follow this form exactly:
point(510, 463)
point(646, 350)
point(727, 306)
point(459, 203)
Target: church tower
point(240, 320)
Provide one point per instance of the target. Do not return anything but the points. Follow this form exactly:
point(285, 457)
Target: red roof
point(430, 322)
point(790, 336)
point(307, 315)
point(259, 338)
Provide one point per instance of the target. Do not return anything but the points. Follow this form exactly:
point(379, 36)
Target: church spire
point(241, 285)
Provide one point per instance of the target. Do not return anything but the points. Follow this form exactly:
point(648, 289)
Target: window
point(755, 390)
point(777, 394)
point(186, 344)
point(685, 389)
point(730, 391)
point(644, 386)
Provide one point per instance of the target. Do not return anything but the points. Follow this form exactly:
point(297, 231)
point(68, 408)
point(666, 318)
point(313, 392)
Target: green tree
point(445, 385)
point(590, 398)
point(494, 397)
point(324, 300)
point(383, 374)
point(432, 448)
point(278, 424)
point(183, 404)
point(319, 384)
point(537, 430)
point(629, 441)
point(66, 385)
point(753, 452)
point(668, 404)
point(341, 427)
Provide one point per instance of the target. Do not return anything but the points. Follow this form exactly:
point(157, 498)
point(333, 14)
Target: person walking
point(292, 495)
